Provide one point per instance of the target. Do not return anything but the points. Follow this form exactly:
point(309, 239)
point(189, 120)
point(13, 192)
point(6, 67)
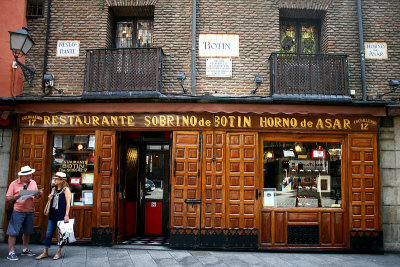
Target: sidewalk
point(76, 255)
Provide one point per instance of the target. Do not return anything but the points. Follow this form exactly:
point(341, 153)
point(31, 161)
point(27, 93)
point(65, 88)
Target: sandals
point(57, 256)
point(42, 256)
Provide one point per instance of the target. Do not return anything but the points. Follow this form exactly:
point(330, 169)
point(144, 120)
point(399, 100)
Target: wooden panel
point(185, 181)
point(302, 217)
point(83, 222)
point(325, 228)
point(338, 229)
point(242, 180)
point(104, 179)
point(266, 229)
point(213, 196)
point(32, 151)
point(280, 227)
point(364, 185)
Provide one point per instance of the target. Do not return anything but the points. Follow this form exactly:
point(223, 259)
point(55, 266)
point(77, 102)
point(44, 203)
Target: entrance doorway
point(143, 197)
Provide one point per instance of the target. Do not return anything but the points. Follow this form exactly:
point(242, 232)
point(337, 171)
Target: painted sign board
point(218, 45)
point(67, 48)
point(376, 50)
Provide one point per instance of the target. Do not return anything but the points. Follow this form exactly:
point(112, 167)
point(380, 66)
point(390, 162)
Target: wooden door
point(242, 184)
point(364, 182)
point(106, 205)
point(185, 181)
point(213, 191)
point(32, 152)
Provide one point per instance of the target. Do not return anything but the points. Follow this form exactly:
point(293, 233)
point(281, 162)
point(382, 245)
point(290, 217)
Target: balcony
point(309, 77)
point(123, 71)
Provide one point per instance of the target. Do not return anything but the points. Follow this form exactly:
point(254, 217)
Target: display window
point(74, 155)
point(302, 174)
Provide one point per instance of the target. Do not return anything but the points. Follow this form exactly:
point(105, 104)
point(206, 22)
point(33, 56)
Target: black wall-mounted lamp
point(20, 44)
point(393, 86)
point(258, 80)
point(181, 78)
point(49, 82)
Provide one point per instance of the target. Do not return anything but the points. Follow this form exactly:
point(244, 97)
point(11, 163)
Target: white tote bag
point(66, 232)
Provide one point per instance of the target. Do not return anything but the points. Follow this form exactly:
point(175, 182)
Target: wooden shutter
point(32, 152)
point(213, 212)
point(185, 182)
point(105, 182)
point(364, 182)
point(241, 181)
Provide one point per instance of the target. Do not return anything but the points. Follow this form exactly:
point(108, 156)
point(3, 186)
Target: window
point(298, 36)
point(34, 8)
point(74, 155)
point(302, 174)
point(134, 33)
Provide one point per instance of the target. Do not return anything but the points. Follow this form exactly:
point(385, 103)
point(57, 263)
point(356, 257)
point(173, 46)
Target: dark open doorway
point(143, 197)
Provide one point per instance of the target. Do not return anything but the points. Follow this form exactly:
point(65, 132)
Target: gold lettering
point(278, 122)
point(154, 120)
point(131, 121)
point(328, 123)
point(147, 121)
point(201, 122)
point(95, 120)
point(293, 122)
point(122, 118)
point(71, 120)
point(263, 122)
point(170, 120)
point(232, 121)
point(285, 122)
point(54, 120)
point(224, 121)
point(78, 121)
point(247, 122)
point(319, 124)
point(346, 124)
point(216, 121)
point(114, 120)
point(337, 124)
point(86, 120)
point(63, 120)
point(193, 121)
point(239, 121)
point(270, 122)
point(208, 123)
point(46, 120)
point(177, 121)
point(185, 121)
point(163, 121)
point(105, 121)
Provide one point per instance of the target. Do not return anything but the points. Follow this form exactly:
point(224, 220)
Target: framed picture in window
point(87, 178)
point(87, 197)
point(75, 180)
point(269, 197)
point(324, 183)
point(91, 142)
point(318, 153)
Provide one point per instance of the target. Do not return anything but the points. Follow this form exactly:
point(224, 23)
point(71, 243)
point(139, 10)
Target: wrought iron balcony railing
point(127, 70)
point(309, 76)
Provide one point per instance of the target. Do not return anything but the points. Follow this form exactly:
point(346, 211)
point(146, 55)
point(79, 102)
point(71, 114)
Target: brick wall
point(256, 23)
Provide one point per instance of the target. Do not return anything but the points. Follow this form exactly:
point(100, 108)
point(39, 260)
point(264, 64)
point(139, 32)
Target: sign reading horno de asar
point(202, 121)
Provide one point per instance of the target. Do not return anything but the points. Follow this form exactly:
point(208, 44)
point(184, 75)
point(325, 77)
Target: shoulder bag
point(47, 207)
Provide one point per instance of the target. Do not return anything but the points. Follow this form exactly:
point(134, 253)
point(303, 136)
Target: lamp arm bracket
point(28, 72)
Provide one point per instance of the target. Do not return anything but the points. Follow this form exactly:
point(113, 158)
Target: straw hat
point(61, 175)
point(26, 170)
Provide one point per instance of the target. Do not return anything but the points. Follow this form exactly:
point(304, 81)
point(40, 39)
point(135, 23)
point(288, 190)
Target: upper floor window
point(34, 8)
point(134, 33)
point(299, 36)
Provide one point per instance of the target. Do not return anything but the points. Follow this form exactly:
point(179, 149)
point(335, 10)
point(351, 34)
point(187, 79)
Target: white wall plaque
point(218, 45)
point(219, 67)
point(376, 50)
point(67, 48)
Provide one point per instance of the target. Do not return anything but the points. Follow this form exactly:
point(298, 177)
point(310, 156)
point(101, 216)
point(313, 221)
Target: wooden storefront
point(217, 174)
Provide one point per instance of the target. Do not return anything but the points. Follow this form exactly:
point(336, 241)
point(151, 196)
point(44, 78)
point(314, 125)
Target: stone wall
point(5, 149)
point(390, 182)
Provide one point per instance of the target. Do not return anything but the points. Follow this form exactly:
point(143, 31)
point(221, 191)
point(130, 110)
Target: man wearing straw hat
point(22, 216)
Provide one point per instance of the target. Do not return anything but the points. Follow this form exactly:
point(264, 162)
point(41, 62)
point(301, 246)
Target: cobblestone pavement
point(78, 255)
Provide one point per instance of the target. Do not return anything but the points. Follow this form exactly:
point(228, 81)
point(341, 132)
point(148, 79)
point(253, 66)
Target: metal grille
point(366, 240)
point(102, 236)
point(123, 70)
point(309, 75)
point(219, 238)
point(34, 8)
point(303, 235)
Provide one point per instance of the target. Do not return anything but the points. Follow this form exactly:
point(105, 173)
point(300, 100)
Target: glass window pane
point(74, 155)
point(154, 175)
point(124, 35)
point(288, 38)
point(306, 175)
point(308, 41)
point(145, 33)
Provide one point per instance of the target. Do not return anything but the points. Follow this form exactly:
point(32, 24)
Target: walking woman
point(59, 210)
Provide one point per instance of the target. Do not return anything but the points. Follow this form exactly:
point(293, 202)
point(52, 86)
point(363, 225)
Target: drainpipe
point(362, 52)
point(194, 14)
point(46, 48)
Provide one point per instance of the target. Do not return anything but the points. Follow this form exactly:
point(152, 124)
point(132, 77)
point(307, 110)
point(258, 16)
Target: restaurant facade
point(192, 122)
point(211, 175)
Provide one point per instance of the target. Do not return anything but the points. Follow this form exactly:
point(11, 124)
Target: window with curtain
point(299, 36)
